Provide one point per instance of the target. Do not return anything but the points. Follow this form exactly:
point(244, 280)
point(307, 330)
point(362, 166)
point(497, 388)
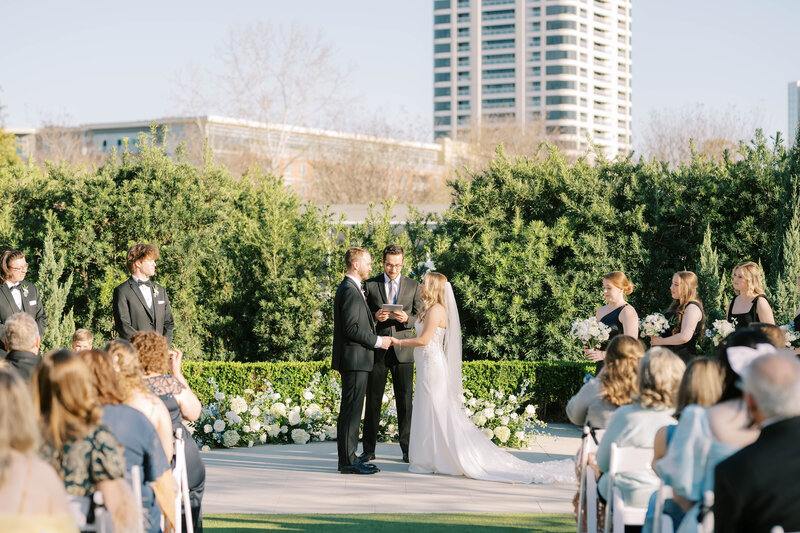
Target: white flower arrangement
point(502, 417)
point(653, 325)
point(300, 436)
point(590, 332)
point(719, 330)
point(791, 335)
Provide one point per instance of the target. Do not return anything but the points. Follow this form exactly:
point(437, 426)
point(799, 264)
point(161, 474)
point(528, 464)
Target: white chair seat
point(618, 514)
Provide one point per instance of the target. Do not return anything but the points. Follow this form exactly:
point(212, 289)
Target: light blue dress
point(632, 426)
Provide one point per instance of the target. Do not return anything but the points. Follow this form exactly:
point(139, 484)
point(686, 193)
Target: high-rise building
point(565, 64)
point(794, 111)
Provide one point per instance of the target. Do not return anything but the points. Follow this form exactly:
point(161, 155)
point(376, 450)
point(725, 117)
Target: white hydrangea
point(219, 426)
point(294, 418)
point(207, 428)
point(284, 429)
point(205, 448)
point(472, 402)
point(255, 425)
point(255, 411)
point(504, 420)
point(275, 396)
point(230, 438)
point(262, 438)
point(238, 405)
point(273, 430)
point(300, 436)
point(502, 433)
point(312, 410)
point(219, 396)
point(530, 409)
point(488, 432)
point(479, 419)
point(308, 395)
point(330, 432)
point(488, 412)
point(246, 429)
point(277, 409)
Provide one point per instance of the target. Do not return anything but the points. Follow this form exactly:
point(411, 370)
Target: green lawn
point(412, 523)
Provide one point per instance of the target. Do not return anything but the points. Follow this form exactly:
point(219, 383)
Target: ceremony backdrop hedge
point(551, 383)
point(251, 269)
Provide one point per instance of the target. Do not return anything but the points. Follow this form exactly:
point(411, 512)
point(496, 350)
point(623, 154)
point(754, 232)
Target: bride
point(443, 440)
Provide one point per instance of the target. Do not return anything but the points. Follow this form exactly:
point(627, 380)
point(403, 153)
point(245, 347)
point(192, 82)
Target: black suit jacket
point(408, 295)
point(354, 335)
point(31, 304)
point(759, 486)
point(23, 362)
point(131, 313)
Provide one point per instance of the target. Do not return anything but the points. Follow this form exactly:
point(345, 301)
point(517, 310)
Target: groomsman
point(139, 303)
point(391, 287)
point(19, 295)
point(354, 344)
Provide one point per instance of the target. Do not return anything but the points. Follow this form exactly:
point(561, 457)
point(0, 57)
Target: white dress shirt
point(16, 292)
point(146, 291)
point(388, 282)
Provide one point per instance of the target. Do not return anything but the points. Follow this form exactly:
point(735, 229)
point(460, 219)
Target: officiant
point(395, 301)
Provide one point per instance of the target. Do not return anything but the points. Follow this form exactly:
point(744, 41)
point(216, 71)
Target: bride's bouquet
point(719, 330)
point(653, 325)
point(792, 336)
point(590, 332)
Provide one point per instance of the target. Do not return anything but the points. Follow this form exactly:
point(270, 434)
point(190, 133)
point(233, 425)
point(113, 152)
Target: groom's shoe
point(358, 468)
point(366, 456)
point(405, 457)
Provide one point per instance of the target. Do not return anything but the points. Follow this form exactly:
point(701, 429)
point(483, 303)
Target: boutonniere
point(25, 291)
point(155, 291)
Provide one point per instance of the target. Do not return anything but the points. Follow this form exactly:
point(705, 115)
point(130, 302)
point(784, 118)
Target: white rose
point(273, 430)
point(250, 444)
point(255, 425)
point(219, 426)
point(308, 395)
point(219, 396)
point(294, 418)
point(330, 432)
point(519, 435)
point(488, 412)
point(530, 409)
point(504, 420)
point(277, 409)
point(284, 429)
point(488, 432)
point(384, 399)
point(514, 416)
point(255, 411)
point(205, 448)
point(275, 396)
point(246, 429)
point(207, 428)
point(263, 438)
point(471, 402)
point(238, 405)
point(502, 433)
point(512, 398)
point(299, 436)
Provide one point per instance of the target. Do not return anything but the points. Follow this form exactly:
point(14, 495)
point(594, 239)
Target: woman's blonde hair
point(18, 429)
point(153, 351)
point(701, 384)
point(687, 293)
point(434, 291)
point(751, 272)
point(63, 391)
point(618, 379)
point(620, 281)
point(126, 365)
point(660, 372)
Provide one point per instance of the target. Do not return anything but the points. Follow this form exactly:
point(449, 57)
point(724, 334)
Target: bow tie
point(15, 286)
point(146, 282)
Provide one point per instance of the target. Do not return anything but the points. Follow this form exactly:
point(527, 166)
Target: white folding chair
point(624, 460)
point(662, 523)
point(587, 493)
point(80, 506)
point(182, 481)
point(135, 479)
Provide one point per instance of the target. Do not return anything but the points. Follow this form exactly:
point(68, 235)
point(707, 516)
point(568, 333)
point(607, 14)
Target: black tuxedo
point(23, 362)
point(31, 304)
point(131, 313)
point(757, 488)
point(354, 341)
point(398, 360)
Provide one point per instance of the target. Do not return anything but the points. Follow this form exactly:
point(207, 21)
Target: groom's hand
point(386, 342)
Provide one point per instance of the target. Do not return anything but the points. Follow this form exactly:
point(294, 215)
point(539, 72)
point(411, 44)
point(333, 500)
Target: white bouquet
point(720, 330)
point(653, 325)
point(792, 336)
point(590, 332)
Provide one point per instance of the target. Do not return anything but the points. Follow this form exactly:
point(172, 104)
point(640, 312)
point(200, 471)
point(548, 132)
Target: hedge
point(551, 383)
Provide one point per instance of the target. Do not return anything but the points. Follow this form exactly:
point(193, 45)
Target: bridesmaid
point(687, 312)
point(19, 295)
point(751, 305)
point(617, 314)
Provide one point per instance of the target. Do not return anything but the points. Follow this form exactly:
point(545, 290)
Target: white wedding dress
point(444, 441)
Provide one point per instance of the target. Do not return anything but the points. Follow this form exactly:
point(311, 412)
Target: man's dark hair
point(393, 249)
point(352, 255)
point(138, 252)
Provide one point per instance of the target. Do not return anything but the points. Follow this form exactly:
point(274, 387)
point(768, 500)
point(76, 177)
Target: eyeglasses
point(19, 269)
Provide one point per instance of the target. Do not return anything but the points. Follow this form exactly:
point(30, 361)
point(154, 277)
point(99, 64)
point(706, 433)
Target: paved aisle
point(303, 479)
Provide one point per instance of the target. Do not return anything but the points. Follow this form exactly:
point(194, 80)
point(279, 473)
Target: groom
point(354, 342)
point(391, 288)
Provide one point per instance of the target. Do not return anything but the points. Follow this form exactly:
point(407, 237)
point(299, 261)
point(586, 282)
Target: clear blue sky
point(98, 61)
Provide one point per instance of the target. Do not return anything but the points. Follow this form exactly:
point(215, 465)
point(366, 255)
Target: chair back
point(624, 459)
point(180, 474)
point(661, 522)
point(587, 495)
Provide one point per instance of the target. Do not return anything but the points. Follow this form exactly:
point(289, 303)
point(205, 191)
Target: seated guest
point(704, 437)
point(32, 497)
point(636, 425)
point(82, 340)
point(22, 343)
point(701, 386)
point(773, 333)
point(614, 386)
point(83, 451)
point(164, 377)
point(139, 438)
point(757, 488)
